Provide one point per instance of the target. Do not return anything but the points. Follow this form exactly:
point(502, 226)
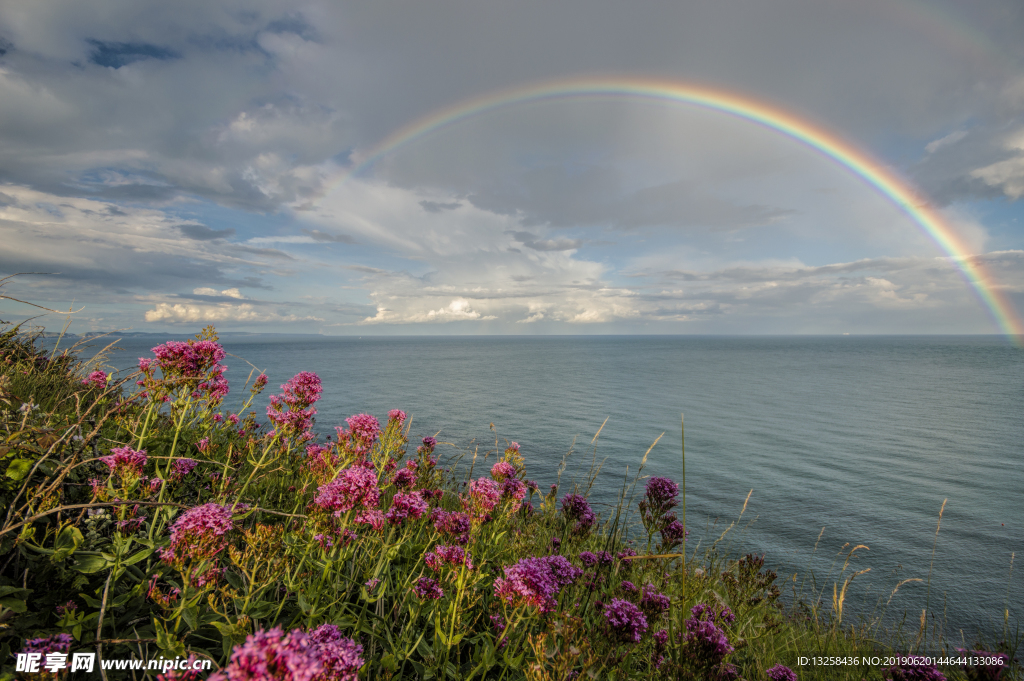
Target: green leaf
point(19, 468)
point(14, 591)
point(14, 604)
point(191, 617)
point(140, 556)
point(90, 564)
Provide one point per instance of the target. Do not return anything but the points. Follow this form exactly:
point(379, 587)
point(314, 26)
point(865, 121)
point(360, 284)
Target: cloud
point(204, 233)
point(325, 237)
point(116, 55)
point(180, 313)
point(437, 207)
point(530, 240)
point(458, 310)
point(230, 293)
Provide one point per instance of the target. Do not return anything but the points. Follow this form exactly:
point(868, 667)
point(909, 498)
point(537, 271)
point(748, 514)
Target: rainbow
point(870, 170)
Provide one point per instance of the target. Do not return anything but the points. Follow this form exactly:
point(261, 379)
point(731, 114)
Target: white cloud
point(182, 312)
point(230, 293)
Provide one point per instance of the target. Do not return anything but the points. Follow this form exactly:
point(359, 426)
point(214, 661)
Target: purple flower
point(125, 462)
point(987, 672)
point(341, 657)
point(654, 603)
point(96, 379)
point(660, 638)
point(661, 493)
point(498, 622)
point(273, 655)
point(181, 468)
point(452, 524)
point(629, 587)
point(673, 534)
point(625, 620)
point(70, 606)
point(781, 673)
point(915, 669)
point(355, 486)
point(199, 534)
point(575, 508)
point(429, 442)
point(428, 589)
point(56, 643)
point(514, 447)
point(707, 644)
point(588, 559)
point(442, 555)
point(536, 581)
point(502, 470)
point(404, 506)
point(404, 478)
point(372, 584)
point(397, 415)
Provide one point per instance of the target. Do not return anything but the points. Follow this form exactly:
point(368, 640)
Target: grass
point(84, 548)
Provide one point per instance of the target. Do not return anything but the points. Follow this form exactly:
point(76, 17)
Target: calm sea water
point(862, 436)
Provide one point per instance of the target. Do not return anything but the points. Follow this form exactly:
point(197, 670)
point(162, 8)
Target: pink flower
point(200, 533)
point(355, 486)
point(125, 462)
point(181, 468)
point(428, 589)
point(397, 415)
point(484, 495)
point(536, 581)
point(96, 379)
point(292, 411)
point(271, 654)
point(404, 506)
point(502, 470)
point(374, 519)
point(442, 555)
point(363, 432)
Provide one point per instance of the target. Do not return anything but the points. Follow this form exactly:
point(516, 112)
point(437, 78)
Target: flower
point(704, 640)
point(536, 581)
point(429, 442)
point(364, 430)
point(513, 488)
point(652, 602)
point(56, 643)
point(96, 379)
point(125, 462)
point(452, 524)
point(428, 589)
point(273, 655)
point(442, 555)
point(588, 559)
point(781, 673)
point(404, 478)
point(181, 468)
point(341, 657)
point(502, 470)
point(405, 506)
point(629, 587)
point(484, 495)
point(67, 607)
point(397, 415)
point(575, 508)
point(673, 534)
point(913, 668)
point(986, 672)
point(199, 534)
point(374, 519)
point(625, 620)
point(292, 411)
point(355, 486)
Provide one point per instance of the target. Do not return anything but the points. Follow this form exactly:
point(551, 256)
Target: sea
point(796, 448)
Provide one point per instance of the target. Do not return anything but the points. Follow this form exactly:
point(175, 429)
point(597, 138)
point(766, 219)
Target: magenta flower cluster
point(292, 411)
point(125, 462)
point(654, 603)
point(404, 506)
point(340, 656)
point(397, 415)
point(57, 643)
point(576, 509)
point(536, 581)
point(502, 470)
point(781, 673)
point(625, 621)
point(181, 468)
point(454, 556)
point(96, 379)
point(354, 487)
point(200, 533)
point(484, 495)
point(196, 362)
point(705, 641)
point(915, 669)
point(428, 589)
point(363, 431)
point(452, 524)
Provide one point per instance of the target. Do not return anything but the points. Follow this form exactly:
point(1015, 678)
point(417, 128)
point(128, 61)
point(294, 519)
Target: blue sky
point(174, 165)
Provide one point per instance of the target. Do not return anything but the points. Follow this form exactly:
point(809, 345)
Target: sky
point(164, 166)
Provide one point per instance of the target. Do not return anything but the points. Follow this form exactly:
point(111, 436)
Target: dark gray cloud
point(436, 207)
point(204, 233)
point(317, 235)
point(116, 55)
point(530, 240)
